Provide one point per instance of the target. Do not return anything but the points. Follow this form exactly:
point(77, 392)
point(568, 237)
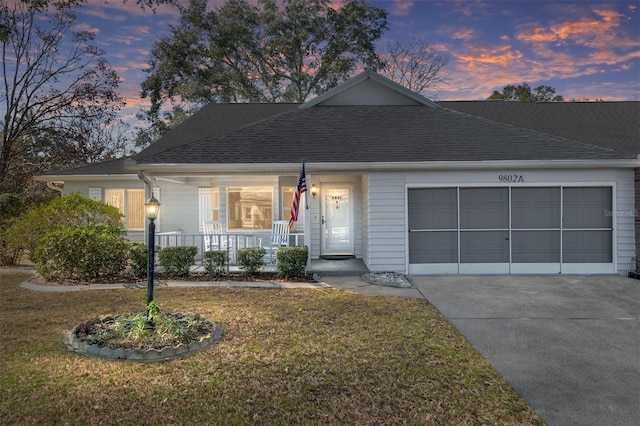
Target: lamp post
point(151, 207)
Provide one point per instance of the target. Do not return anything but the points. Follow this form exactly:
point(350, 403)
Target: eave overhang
point(76, 178)
point(359, 167)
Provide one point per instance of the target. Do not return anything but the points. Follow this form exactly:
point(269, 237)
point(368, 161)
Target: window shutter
point(95, 194)
point(204, 206)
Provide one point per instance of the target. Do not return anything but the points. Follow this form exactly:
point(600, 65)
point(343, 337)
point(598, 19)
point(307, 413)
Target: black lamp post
point(151, 207)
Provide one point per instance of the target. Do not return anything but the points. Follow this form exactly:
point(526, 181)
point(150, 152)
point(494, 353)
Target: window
point(209, 205)
point(130, 203)
point(287, 201)
point(249, 208)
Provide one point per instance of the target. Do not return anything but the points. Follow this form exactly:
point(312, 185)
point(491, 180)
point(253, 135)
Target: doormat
point(337, 257)
point(390, 279)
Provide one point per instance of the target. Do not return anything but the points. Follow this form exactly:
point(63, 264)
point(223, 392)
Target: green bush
point(73, 210)
point(11, 207)
point(138, 259)
point(176, 261)
point(251, 259)
point(291, 261)
point(85, 253)
point(216, 262)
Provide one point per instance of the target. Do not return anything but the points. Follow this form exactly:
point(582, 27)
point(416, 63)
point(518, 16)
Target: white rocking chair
point(214, 238)
point(279, 238)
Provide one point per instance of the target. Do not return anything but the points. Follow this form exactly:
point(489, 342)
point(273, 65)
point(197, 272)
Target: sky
point(585, 49)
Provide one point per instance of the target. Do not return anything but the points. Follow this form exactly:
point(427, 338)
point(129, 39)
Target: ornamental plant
point(216, 262)
point(292, 261)
point(251, 259)
point(84, 253)
point(138, 259)
point(11, 207)
point(73, 210)
point(176, 261)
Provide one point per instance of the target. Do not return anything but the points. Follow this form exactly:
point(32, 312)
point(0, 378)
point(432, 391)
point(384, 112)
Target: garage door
point(510, 230)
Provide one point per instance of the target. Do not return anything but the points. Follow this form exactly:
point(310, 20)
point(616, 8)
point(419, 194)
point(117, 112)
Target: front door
point(337, 220)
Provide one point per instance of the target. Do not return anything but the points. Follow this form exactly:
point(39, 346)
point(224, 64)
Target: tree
point(523, 93)
point(414, 64)
point(277, 51)
point(56, 87)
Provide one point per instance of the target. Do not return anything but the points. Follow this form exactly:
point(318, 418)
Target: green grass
point(312, 357)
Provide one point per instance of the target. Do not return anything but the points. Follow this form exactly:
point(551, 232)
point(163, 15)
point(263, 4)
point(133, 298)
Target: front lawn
point(308, 356)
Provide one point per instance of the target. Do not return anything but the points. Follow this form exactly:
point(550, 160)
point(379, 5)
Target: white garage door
point(510, 230)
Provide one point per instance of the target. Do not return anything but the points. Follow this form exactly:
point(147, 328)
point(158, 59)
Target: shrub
point(216, 262)
point(72, 210)
point(11, 206)
point(292, 261)
point(176, 261)
point(84, 253)
point(251, 259)
point(138, 259)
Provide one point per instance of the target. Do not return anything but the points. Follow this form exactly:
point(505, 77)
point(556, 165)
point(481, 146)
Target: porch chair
point(214, 238)
point(279, 238)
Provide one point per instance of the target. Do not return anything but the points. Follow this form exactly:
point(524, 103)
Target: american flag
point(302, 187)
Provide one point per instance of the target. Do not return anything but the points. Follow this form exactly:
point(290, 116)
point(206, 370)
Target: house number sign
point(510, 178)
point(337, 199)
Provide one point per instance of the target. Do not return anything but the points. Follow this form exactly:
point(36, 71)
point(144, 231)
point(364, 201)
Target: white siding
point(387, 247)
point(624, 209)
point(387, 222)
point(364, 184)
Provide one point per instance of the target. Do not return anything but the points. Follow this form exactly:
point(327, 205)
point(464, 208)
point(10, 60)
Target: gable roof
point(364, 87)
point(614, 125)
point(371, 119)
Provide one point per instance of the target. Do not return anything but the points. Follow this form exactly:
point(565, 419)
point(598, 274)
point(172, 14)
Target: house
point(403, 183)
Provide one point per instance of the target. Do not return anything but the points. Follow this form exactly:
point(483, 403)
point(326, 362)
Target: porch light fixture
point(314, 190)
point(151, 208)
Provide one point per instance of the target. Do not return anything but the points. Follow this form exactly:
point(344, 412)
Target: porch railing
point(228, 241)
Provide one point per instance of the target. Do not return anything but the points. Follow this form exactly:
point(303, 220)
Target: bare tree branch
point(415, 65)
point(56, 82)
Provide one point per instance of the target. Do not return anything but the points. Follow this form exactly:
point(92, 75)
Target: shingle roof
point(213, 119)
point(378, 134)
point(112, 167)
point(614, 125)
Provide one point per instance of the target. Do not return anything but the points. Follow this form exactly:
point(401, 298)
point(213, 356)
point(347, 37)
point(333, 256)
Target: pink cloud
point(599, 31)
point(463, 34)
point(401, 7)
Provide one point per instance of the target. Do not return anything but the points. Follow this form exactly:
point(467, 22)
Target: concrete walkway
point(570, 345)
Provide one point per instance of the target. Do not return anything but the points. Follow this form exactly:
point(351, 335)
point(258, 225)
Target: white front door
point(337, 220)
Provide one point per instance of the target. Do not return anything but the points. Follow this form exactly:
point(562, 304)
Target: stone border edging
point(247, 284)
point(74, 344)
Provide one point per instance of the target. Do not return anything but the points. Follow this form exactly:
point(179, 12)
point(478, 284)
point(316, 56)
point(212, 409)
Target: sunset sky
point(585, 49)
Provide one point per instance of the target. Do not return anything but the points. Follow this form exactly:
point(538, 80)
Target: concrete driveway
point(570, 345)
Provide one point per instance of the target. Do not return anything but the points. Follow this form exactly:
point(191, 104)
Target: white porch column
point(307, 219)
